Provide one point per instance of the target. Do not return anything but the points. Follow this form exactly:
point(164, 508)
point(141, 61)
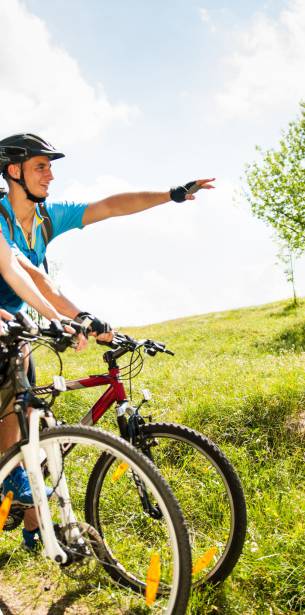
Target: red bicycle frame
point(114, 393)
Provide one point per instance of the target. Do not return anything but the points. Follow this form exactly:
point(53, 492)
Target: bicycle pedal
point(15, 517)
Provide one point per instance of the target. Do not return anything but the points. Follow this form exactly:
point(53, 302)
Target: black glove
point(178, 194)
point(96, 325)
point(77, 326)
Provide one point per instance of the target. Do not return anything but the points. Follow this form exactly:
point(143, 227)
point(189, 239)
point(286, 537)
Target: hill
point(239, 377)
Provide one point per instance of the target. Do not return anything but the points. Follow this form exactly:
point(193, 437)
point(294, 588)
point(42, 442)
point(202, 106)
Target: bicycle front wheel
point(206, 486)
point(157, 553)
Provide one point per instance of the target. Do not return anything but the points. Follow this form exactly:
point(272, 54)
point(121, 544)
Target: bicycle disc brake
point(85, 552)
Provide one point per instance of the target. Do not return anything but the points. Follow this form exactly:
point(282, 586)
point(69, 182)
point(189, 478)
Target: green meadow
point(239, 377)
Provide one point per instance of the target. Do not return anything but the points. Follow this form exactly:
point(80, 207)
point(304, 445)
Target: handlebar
point(121, 344)
point(23, 328)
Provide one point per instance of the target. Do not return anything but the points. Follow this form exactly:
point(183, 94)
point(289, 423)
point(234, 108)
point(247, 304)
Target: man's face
point(38, 175)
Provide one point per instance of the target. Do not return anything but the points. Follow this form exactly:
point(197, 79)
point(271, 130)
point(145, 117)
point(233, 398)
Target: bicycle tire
point(87, 445)
point(205, 484)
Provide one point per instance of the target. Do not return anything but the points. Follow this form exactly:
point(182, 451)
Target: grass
point(239, 377)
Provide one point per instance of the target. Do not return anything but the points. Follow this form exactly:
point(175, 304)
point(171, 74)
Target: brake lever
point(152, 348)
point(58, 338)
point(150, 351)
point(112, 344)
point(63, 342)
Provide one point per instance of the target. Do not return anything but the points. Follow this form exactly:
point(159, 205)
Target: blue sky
point(145, 95)
point(163, 58)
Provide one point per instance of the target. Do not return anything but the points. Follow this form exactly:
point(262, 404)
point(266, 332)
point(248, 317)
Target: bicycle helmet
point(22, 147)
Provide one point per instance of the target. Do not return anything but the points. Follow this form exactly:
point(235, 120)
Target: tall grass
point(239, 377)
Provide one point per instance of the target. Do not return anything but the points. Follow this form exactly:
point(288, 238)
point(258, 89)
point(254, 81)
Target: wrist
point(179, 193)
point(53, 315)
point(81, 316)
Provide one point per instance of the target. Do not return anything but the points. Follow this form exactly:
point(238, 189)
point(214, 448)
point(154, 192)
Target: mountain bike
point(202, 478)
point(153, 543)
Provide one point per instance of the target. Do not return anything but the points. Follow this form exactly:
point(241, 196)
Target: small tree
point(275, 190)
point(286, 258)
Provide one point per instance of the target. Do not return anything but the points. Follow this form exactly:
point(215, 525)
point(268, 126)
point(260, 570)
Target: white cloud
point(42, 87)
point(133, 300)
point(265, 71)
point(103, 186)
point(205, 16)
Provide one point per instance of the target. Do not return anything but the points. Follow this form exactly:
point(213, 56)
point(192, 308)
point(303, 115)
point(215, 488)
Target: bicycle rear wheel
point(158, 553)
point(206, 486)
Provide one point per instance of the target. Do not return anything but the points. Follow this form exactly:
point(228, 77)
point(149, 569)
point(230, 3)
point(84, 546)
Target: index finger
point(205, 181)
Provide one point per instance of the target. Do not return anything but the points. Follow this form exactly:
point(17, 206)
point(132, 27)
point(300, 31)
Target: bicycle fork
point(127, 432)
point(32, 459)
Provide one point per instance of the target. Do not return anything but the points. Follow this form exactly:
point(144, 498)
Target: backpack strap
point(8, 220)
point(46, 228)
point(45, 264)
point(47, 231)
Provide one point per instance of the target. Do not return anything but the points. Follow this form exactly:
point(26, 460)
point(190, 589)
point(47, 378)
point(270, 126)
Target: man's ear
point(14, 170)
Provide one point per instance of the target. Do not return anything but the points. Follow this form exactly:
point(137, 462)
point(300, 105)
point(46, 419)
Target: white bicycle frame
point(31, 453)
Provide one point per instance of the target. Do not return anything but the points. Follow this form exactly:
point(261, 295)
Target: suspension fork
point(31, 456)
point(34, 464)
point(122, 409)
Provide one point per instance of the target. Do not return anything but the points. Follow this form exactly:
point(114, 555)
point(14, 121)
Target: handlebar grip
point(27, 323)
point(56, 327)
point(109, 344)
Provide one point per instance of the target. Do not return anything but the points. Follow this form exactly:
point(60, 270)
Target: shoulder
point(62, 208)
point(65, 215)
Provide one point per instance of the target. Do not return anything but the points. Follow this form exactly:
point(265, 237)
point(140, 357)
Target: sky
point(145, 96)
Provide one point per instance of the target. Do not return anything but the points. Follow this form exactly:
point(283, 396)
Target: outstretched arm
point(123, 204)
point(133, 202)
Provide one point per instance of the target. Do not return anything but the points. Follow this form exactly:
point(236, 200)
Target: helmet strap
point(30, 195)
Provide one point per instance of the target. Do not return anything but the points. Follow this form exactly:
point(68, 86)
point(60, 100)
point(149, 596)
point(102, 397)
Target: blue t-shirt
point(64, 217)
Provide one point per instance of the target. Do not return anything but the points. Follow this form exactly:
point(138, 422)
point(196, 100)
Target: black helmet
point(32, 146)
point(9, 153)
point(21, 147)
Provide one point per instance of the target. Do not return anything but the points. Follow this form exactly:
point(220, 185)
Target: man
point(25, 161)
point(29, 224)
